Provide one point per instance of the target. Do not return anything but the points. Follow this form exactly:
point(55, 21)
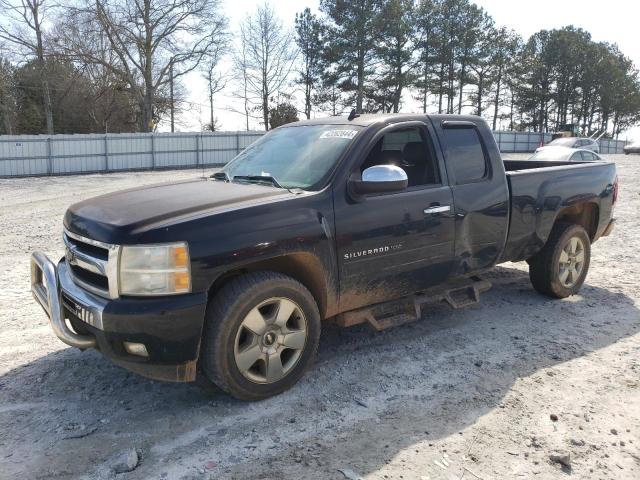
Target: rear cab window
point(465, 155)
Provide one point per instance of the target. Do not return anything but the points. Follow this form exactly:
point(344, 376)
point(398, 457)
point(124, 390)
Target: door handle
point(437, 209)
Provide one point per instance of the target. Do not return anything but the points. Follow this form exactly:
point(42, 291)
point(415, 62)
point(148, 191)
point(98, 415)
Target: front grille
point(93, 264)
point(98, 252)
point(94, 279)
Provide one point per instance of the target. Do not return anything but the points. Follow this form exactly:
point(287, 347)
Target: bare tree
point(240, 71)
point(110, 103)
point(21, 26)
point(149, 38)
point(216, 80)
point(265, 59)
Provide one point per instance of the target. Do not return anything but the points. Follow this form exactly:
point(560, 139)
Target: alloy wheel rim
point(571, 262)
point(270, 340)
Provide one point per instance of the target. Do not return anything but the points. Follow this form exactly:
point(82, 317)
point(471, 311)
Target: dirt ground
point(466, 394)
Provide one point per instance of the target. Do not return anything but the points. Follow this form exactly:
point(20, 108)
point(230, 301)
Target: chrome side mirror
point(381, 179)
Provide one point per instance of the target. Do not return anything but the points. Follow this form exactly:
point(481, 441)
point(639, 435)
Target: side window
point(588, 156)
point(576, 157)
point(408, 149)
point(465, 154)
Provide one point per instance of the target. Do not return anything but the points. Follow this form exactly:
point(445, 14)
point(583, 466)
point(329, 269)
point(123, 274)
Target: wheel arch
point(304, 267)
point(585, 214)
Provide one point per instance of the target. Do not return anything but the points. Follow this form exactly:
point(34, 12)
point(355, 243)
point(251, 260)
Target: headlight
point(155, 269)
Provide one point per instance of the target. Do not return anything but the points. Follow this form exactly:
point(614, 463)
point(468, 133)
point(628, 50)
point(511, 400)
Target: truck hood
point(109, 218)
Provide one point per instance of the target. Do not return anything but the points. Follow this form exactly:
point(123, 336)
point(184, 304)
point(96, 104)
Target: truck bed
point(540, 189)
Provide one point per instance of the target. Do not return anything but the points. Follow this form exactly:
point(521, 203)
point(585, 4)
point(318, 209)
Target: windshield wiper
point(221, 176)
point(258, 178)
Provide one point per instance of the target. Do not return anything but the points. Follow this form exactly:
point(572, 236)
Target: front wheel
point(560, 268)
point(261, 334)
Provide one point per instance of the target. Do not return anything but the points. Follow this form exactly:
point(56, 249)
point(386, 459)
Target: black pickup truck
point(360, 219)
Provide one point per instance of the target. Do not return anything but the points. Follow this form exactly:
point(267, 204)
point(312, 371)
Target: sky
point(614, 21)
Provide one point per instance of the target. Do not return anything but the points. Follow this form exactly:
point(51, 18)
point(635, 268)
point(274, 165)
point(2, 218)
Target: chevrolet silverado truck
point(353, 219)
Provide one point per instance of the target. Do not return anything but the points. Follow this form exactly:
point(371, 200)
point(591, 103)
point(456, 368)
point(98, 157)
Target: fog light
point(136, 349)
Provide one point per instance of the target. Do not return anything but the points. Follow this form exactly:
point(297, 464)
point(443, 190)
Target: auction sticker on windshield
point(339, 134)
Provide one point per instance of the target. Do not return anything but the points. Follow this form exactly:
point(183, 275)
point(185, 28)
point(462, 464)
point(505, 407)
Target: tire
point(281, 310)
point(559, 275)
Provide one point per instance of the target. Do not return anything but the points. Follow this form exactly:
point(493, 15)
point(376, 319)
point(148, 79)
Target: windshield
point(295, 157)
point(565, 142)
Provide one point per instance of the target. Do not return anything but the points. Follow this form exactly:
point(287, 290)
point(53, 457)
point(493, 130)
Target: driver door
point(394, 244)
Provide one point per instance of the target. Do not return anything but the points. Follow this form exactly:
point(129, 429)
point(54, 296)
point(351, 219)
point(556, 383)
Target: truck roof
point(368, 119)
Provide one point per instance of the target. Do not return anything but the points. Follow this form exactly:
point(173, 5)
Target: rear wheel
point(261, 335)
point(560, 268)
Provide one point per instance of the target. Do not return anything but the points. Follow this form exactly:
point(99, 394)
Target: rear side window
point(577, 157)
point(465, 154)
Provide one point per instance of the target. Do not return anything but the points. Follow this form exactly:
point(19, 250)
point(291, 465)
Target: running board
point(468, 294)
point(458, 294)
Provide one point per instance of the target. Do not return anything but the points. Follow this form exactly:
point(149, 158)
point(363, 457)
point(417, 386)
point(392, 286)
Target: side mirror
point(380, 179)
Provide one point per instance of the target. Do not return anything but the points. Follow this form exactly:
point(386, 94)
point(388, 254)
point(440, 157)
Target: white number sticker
point(349, 134)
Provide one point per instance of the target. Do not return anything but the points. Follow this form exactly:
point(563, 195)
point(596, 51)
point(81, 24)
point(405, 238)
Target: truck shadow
point(369, 397)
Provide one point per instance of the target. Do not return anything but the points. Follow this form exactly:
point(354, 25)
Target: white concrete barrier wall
point(26, 155)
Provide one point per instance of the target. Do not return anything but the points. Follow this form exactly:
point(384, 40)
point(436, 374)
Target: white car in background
point(565, 154)
point(633, 147)
point(574, 142)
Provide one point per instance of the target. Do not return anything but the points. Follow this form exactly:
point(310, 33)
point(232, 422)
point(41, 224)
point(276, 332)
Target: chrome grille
point(93, 264)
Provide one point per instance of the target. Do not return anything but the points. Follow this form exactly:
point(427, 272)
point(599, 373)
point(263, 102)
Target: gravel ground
point(510, 388)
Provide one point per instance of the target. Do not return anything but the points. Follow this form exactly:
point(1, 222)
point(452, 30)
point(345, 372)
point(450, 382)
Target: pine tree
point(310, 41)
point(395, 53)
point(426, 31)
point(352, 40)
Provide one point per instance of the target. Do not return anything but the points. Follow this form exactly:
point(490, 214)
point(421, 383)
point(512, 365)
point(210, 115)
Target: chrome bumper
point(54, 290)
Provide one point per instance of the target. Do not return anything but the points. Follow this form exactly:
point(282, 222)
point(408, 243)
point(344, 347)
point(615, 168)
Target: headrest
point(390, 157)
point(413, 152)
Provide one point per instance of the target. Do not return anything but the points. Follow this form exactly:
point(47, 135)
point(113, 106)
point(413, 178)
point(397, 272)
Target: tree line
point(122, 65)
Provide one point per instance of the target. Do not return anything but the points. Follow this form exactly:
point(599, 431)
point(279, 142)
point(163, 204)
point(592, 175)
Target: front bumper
point(170, 328)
